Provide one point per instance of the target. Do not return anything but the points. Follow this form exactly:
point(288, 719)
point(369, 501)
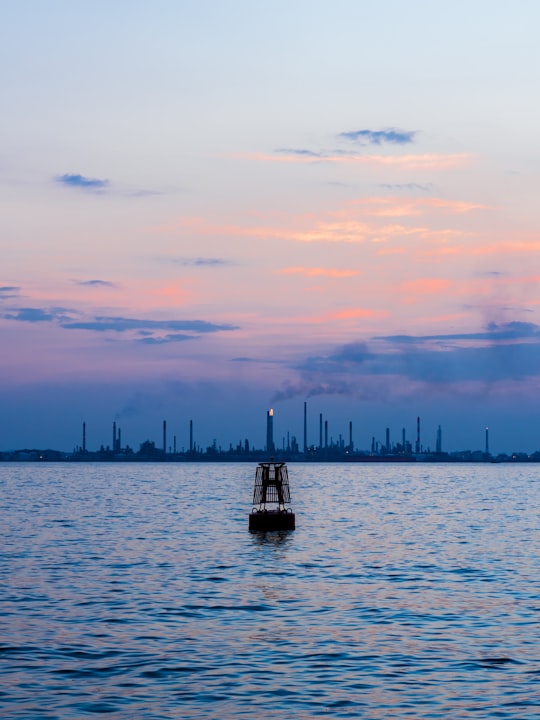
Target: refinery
point(288, 449)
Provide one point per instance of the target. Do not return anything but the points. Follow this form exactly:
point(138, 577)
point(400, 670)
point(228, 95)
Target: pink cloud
point(358, 313)
point(426, 286)
point(414, 291)
point(506, 248)
point(319, 272)
point(330, 319)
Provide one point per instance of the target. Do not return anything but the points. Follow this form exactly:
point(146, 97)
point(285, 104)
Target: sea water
point(136, 591)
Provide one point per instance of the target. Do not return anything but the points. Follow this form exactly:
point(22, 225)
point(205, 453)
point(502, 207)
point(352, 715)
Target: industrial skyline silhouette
point(327, 449)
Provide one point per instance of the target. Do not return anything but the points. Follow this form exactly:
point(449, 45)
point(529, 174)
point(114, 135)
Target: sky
point(210, 208)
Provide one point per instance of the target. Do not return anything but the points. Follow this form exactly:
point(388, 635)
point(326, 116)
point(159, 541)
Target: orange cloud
point(354, 231)
point(427, 161)
point(403, 207)
point(354, 222)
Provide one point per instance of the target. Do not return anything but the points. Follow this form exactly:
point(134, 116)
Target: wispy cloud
point(95, 283)
point(357, 221)
point(122, 324)
point(202, 262)
point(145, 193)
point(301, 152)
point(29, 315)
point(403, 207)
point(257, 361)
point(166, 339)
point(408, 187)
point(149, 332)
point(100, 185)
point(420, 161)
point(38, 315)
point(386, 136)
point(8, 292)
point(493, 332)
point(80, 181)
point(393, 136)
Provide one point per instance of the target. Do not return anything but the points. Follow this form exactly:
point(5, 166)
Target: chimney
point(270, 448)
point(305, 428)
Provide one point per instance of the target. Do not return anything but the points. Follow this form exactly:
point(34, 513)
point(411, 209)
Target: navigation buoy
point(271, 499)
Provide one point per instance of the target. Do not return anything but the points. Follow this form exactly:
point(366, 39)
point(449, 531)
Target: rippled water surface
point(136, 591)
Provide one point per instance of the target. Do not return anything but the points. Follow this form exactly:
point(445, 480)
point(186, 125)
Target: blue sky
point(212, 207)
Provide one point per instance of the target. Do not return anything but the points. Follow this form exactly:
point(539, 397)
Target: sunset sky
point(212, 208)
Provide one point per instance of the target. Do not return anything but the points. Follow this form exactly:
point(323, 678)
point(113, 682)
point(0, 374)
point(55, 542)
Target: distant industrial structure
point(328, 449)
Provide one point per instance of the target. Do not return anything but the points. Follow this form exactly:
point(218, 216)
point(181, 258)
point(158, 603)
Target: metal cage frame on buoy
point(271, 498)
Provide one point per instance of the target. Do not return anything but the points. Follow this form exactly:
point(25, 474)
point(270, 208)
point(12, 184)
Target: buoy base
point(269, 520)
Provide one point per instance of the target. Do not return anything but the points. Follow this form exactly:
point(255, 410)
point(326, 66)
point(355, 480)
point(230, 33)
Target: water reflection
point(403, 592)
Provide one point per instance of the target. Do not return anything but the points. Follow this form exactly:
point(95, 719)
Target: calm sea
point(136, 591)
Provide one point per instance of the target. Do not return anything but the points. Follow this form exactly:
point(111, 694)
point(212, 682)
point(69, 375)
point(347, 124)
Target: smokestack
point(164, 436)
point(387, 440)
point(174, 444)
point(84, 437)
point(439, 439)
point(350, 436)
point(418, 434)
point(270, 448)
point(487, 441)
point(114, 436)
point(403, 439)
point(320, 431)
point(191, 436)
point(305, 428)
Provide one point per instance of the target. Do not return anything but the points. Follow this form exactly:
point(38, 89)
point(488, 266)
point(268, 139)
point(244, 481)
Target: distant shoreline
point(55, 456)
